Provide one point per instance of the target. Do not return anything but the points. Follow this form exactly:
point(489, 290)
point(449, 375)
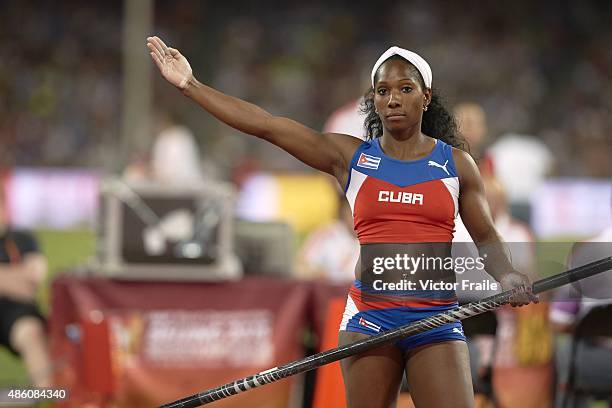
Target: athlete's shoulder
point(463, 160)
point(348, 145)
point(459, 153)
point(345, 142)
point(344, 138)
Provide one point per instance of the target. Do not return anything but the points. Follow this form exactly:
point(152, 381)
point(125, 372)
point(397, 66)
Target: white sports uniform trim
point(357, 180)
point(349, 311)
point(452, 184)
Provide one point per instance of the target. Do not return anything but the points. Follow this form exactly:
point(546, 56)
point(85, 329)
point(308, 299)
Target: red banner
point(136, 344)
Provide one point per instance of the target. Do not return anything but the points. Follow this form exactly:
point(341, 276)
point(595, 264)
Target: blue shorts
point(382, 312)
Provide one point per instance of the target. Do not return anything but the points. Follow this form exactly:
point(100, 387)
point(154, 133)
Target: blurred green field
point(64, 250)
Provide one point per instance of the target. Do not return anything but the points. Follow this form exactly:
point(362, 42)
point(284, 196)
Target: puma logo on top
point(458, 330)
point(443, 167)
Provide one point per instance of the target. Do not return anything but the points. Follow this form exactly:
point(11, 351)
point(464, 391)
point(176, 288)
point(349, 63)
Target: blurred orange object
point(329, 388)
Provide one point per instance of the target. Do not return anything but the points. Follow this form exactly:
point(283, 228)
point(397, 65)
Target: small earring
point(425, 107)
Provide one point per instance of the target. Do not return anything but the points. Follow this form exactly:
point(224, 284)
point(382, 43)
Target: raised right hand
point(173, 66)
point(327, 152)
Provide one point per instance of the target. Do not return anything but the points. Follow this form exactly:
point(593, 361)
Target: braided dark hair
point(437, 121)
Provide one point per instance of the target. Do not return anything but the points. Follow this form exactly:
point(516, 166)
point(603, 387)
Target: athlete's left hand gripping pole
point(329, 356)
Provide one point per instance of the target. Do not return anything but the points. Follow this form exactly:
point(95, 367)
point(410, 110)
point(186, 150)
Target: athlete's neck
point(413, 148)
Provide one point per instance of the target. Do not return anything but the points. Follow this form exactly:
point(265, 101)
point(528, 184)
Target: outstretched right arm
point(328, 152)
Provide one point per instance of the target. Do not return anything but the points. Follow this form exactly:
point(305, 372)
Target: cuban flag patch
point(368, 162)
point(369, 325)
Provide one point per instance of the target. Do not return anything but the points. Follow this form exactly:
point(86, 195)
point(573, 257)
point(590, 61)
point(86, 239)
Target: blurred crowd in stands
point(537, 68)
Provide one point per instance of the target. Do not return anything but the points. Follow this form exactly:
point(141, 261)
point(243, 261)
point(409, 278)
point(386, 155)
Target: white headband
point(412, 57)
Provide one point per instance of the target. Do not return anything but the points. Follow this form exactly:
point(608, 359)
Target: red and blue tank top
point(395, 201)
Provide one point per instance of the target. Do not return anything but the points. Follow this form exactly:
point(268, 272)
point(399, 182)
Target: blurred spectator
point(570, 304)
point(347, 120)
point(331, 251)
point(175, 157)
point(523, 344)
point(517, 350)
point(138, 168)
point(22, 328)
point(521, 163)
point(472, 123)
point(511, 229)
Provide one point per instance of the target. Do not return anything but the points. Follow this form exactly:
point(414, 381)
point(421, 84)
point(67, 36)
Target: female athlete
point(405, 185)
